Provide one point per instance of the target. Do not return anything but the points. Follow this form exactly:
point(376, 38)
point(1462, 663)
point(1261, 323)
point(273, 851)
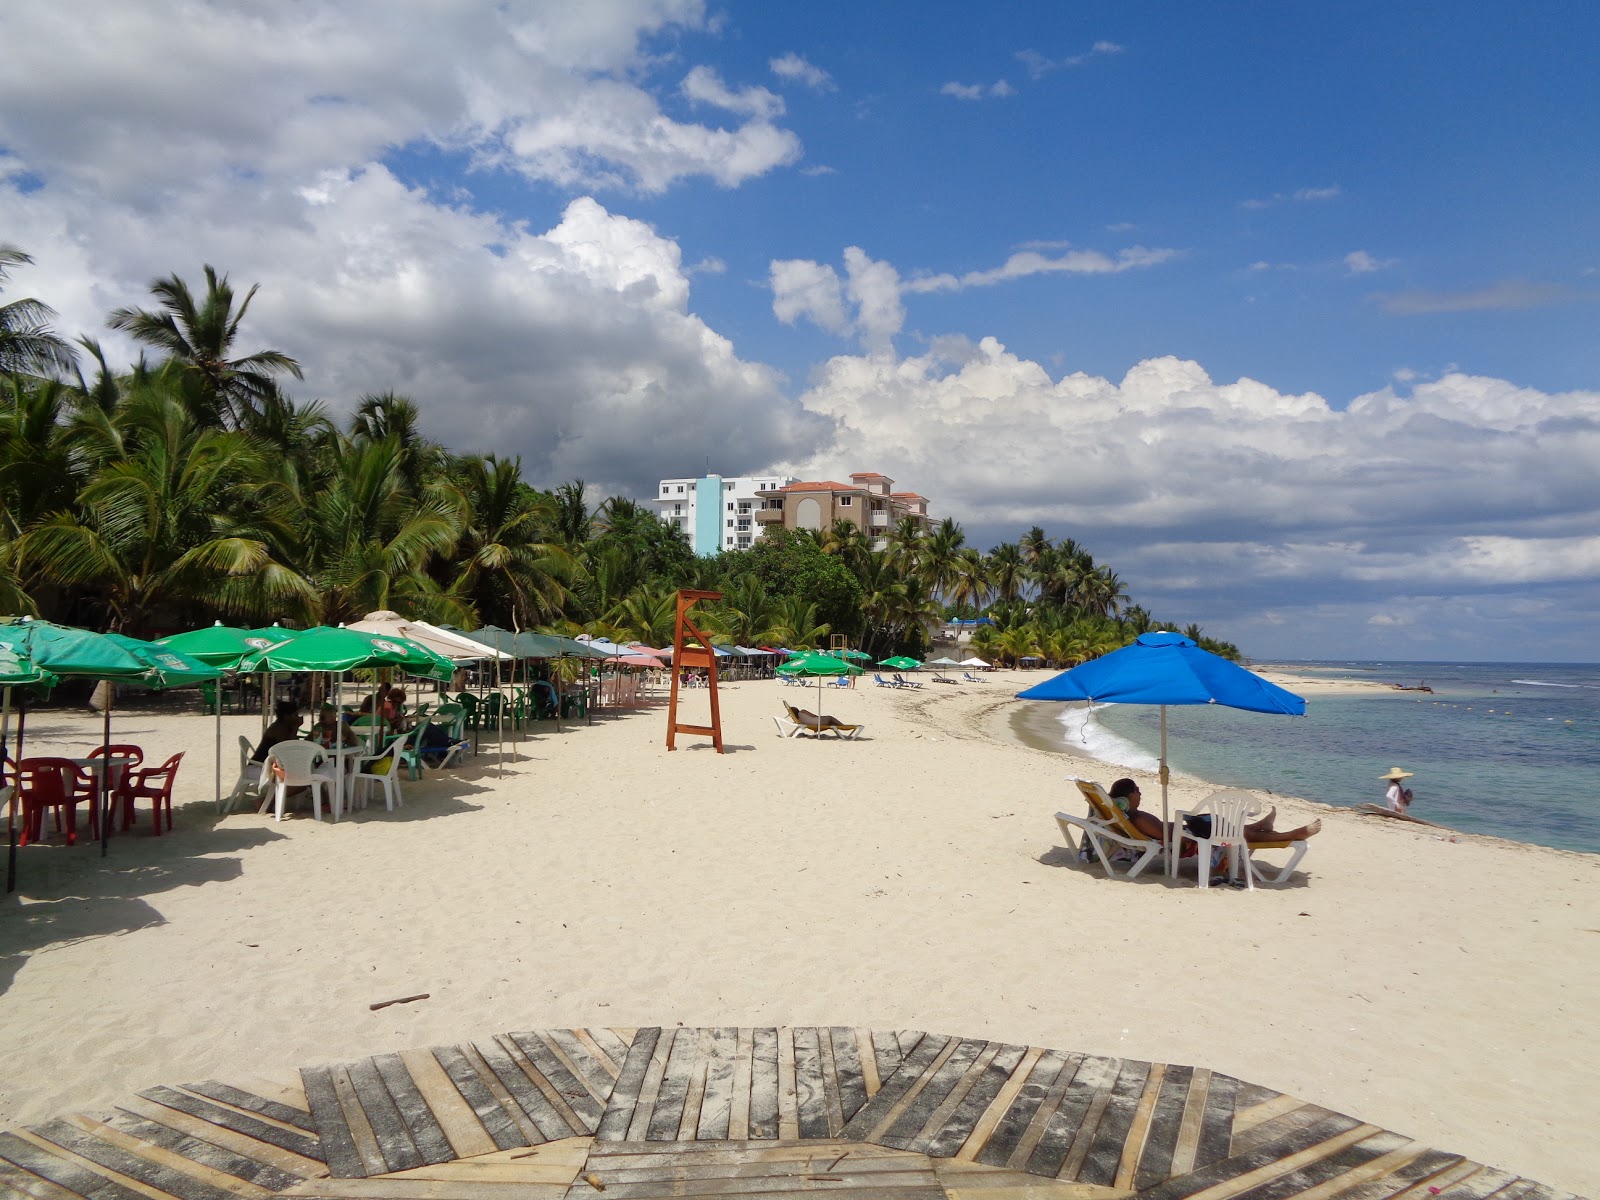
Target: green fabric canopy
point(817, 662)
point(17, 668)
point(166, 667)
point(327, 648)
point(222, 645)
point(64, 650)
point(901, 662)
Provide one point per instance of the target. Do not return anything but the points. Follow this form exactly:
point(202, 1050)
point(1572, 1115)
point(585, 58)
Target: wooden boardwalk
point(566, 1114)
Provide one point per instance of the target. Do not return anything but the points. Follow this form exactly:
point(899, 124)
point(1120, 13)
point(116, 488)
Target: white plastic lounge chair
point(1108, 833)
point(789, 729)
point(1230, 811)
point(970, 677)
point(298, 761)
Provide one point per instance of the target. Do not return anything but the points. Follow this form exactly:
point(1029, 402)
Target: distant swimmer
point(1397, 798)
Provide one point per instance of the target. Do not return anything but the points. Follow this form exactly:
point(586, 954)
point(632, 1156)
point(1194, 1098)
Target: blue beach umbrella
point(1167, 668)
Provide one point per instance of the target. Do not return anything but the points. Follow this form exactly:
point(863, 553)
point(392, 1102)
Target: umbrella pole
point(1173, 841)
point(338, 753)
point(218, 694)
point(105, 771)
point(11, 806)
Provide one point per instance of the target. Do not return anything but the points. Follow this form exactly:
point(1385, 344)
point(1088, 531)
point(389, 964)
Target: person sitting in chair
point(1124, 794)
point(285, 729)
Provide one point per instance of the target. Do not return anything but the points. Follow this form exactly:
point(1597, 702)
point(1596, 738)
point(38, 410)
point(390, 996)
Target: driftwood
point(1378, 810)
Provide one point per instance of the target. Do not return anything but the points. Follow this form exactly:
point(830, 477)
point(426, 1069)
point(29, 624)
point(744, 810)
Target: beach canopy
point(1166, 668)
point(901, 662)
point(165, 667)
point(457, 647)
point(974, 661)
point(220, 645)
point(944, 661)
point(64, 650)
point(818, 663)
point(16, 668)
point(329, 648)
point(855, 654)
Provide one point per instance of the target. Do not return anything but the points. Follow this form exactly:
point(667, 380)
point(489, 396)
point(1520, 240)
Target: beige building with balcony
point(868, 502)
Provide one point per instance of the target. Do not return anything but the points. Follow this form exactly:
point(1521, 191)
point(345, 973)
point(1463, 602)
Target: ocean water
point(1509, 749)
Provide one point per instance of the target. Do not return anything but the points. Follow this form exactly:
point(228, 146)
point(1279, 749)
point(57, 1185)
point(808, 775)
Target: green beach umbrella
point(858, 655)
point(16, 668)
point(337, 649)
point(165, 667)
point(901, 662)
point(821, 665)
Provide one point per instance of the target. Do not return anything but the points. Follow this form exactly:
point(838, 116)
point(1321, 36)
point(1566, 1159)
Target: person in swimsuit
point(1125, 795)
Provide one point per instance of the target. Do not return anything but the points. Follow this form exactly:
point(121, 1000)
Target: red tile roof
point(824, 486)
point(908, 495)
point(866, 475)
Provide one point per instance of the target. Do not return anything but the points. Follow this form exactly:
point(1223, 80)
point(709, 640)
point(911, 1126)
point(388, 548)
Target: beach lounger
point(811, 723)
point(1230, 811)
point(970, 677)
point(1108, 834)
point(946, 679)
point(882, 682)
point(901, 681)
point(789, 729)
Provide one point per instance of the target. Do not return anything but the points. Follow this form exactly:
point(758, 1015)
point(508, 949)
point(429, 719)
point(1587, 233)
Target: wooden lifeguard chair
point(701, 655)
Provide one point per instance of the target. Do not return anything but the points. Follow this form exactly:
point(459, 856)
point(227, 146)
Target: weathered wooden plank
point(581, 1059)
point(497, 1122)
point(650, 1092)
point(1252, 1094)
point(1270, 1131)
point(1402, 1154)
point(238, 1143)
point(1083, 1139)
point(262, 1131)
point(899, 1088)
point(1240, 1173)
point(1328, 1167)
point(64, 1172)
point(984, 1127)
point(763, 1083)
point(383, 1115)
point(225, 1093)
point(810, 1091)
point(1247, 1117)
point(867, 1056)
point(361, 1130)
point(681, 1064)
point(285, 1089)
point(1031, 1104)
point(909, 1039)
point(694, 1095)
point(460, 1125)
point(625, 1095)
point(1154, 1160)
point(160, 1176)
point(906, 1132)
point(422, 1127)
point(953, 1123)
point(1480, 1185)
point(1186, 1143)
point(850, 1072)
point(886, 1051)
point(788, 1089)
point(207, 1154)
point(14, 1181)
point(1426, 1167)
point(542, 1104)
point(1216, 1123)
point(743, 1071)
point(160, 1155)
point(567, 1122)
point(333, 1127)
point(716, 1105)
point(1101, 1164)
point(389, 1188)
point(1091, 1079)
point(829, 1073)
point(615, 1042)
point(526, 1128)
point(607, 1050)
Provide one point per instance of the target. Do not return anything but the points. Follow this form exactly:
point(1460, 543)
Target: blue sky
point(1287, 312)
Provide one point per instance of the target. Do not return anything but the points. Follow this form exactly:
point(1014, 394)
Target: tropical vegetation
point(193, 486)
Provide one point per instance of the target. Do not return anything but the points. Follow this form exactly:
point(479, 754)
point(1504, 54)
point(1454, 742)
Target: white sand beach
point(1441, 987)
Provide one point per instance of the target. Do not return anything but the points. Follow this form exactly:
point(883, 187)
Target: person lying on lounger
point(812, 721)
point(1125, 795)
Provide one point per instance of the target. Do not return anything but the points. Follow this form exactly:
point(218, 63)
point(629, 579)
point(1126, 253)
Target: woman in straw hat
point(1397, 798)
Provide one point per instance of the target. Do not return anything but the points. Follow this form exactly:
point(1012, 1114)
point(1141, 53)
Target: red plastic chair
point(58, 784)
point(154, 784)
point(135, 757)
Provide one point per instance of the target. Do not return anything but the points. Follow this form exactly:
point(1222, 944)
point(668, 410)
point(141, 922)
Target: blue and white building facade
point(716, 513)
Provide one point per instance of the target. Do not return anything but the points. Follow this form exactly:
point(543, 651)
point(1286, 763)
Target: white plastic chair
point(298, 761)
point(1230, 811)
point(367, 773)
point(249, 781)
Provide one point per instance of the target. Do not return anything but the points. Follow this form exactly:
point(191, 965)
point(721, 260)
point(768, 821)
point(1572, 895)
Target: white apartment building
point(716, 513)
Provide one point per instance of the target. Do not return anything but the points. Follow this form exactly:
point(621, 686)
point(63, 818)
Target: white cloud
point(1039, 66)
point(793, 68)
point(1360, 262)
point(977, 91)
point(703, 85)
point(1029, 262)
point(551, 93)
point(1299, 195)
point(1510, 295)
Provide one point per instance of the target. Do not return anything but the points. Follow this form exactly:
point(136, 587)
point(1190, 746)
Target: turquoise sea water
point(1509, 749)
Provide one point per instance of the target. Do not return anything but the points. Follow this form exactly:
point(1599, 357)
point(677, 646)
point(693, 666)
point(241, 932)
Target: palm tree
point(1006, 572)
point(27, 343)
point(795, 623)
point(155, 524)
point(200, 335)
point(573, 523)
point(504, 565)
point(649, 614)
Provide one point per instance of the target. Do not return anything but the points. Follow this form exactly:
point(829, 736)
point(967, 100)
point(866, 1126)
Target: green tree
point(200, 335)
point(504, 567)
point(27, 343)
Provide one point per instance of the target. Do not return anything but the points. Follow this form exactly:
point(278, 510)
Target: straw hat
point(1396, 773)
